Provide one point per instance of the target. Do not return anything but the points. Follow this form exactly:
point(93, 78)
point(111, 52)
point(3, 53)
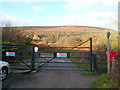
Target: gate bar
point(69, 66)
point(63, 47)
point(62, 62)
point(65, 70)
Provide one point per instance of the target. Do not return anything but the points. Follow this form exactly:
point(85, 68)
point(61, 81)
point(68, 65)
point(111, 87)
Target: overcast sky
point(97, 13)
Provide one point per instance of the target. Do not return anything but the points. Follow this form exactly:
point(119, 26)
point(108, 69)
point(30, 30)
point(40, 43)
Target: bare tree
point(10, 34)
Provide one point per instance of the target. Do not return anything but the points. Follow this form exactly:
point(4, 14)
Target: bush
point(28, 41)
point(41, 36)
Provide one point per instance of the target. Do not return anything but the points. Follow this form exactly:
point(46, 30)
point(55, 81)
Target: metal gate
point(19, 57)
point(51, 58)
point(65, 58)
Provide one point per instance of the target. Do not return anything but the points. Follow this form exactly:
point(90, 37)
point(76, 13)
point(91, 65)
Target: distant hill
point(39, 29)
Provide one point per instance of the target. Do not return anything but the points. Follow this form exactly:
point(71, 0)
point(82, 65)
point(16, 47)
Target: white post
point(108, 52)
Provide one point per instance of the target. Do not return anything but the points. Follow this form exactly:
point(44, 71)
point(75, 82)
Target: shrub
point(28, 41)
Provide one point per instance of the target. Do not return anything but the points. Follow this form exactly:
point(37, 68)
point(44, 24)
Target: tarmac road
point(49, 79)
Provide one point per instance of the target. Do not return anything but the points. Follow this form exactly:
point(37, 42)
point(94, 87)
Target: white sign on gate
point(36, 49)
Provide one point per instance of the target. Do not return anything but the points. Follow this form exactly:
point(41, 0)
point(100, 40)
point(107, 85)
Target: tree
point(11, 35)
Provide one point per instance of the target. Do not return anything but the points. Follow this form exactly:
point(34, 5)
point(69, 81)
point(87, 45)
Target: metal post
point(91, 54)
point(33, 59)
point(108, 52)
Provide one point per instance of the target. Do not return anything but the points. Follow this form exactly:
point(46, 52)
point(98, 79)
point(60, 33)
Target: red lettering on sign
point(11, 52)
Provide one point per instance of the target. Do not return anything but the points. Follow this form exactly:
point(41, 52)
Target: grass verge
point(102, 82)
point(89, 73)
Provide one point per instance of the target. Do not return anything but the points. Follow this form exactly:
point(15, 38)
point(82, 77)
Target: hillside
point(38, 29)
point(68, 36)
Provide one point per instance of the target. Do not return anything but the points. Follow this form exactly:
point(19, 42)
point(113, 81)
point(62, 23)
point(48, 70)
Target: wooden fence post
point(113, 65)
point(114, 73)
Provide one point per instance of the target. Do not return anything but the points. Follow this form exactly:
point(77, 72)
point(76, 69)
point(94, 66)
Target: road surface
point(49, 79)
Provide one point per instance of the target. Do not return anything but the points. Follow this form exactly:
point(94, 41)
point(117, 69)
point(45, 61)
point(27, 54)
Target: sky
point(95, 13)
